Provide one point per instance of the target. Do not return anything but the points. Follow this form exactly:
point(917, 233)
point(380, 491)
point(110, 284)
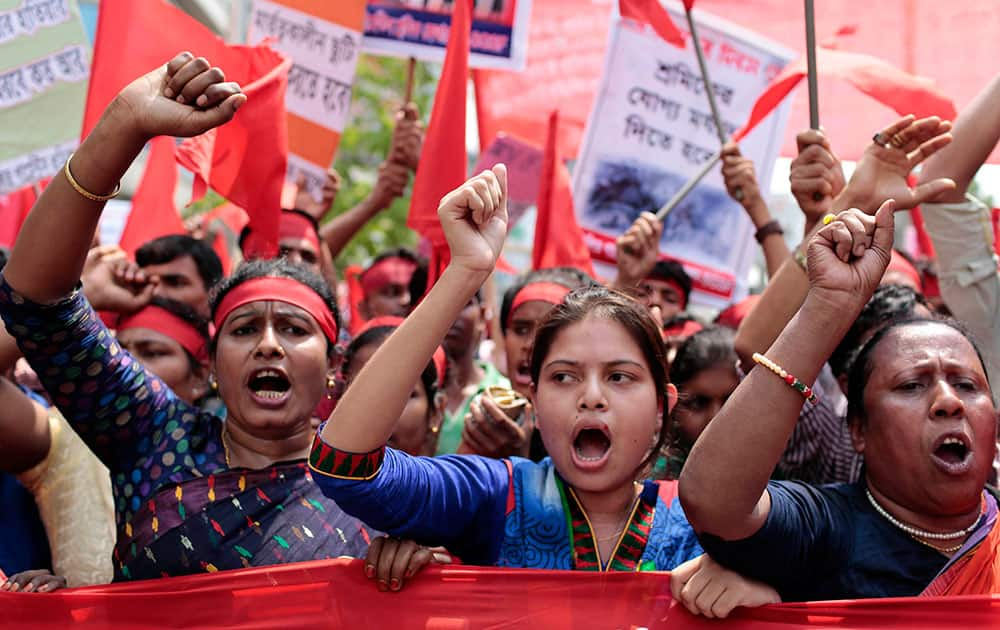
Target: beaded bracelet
point(83, 191)
point(793, 382)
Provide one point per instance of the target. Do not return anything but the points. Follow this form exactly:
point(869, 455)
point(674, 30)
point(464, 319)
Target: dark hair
point(863, 366)
point(275, 268)
point(702, 350)
point(378, 335)
point(186, 313)
point(600, 302)
point(671, 270)
point(168, 248)
point(4, 256)
point(569, 277)
point(888, 303)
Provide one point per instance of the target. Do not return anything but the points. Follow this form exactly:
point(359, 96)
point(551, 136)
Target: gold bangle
point(86, 193)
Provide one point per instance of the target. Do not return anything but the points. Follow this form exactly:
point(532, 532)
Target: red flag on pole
point(443, 167)
point(652, 12)
point(887, 84)
point(558, 237)
point(153, 212)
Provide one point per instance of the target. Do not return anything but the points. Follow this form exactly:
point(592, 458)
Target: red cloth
point(335, 594)
point(355, 293)
point(688, 4)
point(443, 168)
point(564, 63)
point(277, 289)
point(903, 92)
point(558, 237)
point(159, 319)
point(153, 212)
point(14, 209)
point(652, 12)
point(245, 160)
point(924, 243)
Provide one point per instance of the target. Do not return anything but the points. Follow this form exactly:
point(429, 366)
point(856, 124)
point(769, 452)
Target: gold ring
point(828, 219)
point(897, 141)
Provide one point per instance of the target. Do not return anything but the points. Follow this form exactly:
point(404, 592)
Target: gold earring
point(212, 383)
point(331, 384)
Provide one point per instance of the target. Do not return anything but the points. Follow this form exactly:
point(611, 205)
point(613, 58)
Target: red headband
point(683, 329)
point(390, 270)
point(161, 320)
point(901, 265)
point(439, 358)
point(291, 225)
point(551, 292)
point(280, 290)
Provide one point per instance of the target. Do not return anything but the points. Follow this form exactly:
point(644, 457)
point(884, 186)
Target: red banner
point(335, 594)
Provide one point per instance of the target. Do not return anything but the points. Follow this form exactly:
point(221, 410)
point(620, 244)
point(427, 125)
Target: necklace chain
point(913, 531)
point(225, 447)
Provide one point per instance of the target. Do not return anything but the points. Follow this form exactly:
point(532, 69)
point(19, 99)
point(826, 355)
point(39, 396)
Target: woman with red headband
point(192, 493)
point(418, 427)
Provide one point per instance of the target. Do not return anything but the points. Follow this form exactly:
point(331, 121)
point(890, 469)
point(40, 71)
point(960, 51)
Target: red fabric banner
point(443, 168)
point(903, 92)
point(651, 12)
point(558, 237)
point(14, 209)
point(153, 212)
point(335, 594)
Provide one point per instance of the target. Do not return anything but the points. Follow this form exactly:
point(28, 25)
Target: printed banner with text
point(44, 65)
point(323, 40)
point(419, 28)
point(651, 129)
point(335, 594)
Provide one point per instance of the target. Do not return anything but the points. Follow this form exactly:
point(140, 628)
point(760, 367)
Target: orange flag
point(443, 164)
point(558, 237)
point(153, 212)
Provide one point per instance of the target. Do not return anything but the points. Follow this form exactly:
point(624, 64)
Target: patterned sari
point(975, 568)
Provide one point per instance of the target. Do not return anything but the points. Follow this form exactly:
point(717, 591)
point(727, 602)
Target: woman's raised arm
point(474, 218)
point(722, 487)
point(184, 97)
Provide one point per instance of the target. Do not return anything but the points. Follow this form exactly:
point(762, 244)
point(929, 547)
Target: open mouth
point(953, 453)
point(522, 374)
point(269, 384)
point(591, 446)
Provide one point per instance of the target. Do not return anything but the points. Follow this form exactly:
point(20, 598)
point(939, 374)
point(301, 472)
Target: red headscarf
point(159, 319)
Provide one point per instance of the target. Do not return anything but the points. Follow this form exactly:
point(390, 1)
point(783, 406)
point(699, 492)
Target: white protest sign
point(324, 41)
point(651, 128)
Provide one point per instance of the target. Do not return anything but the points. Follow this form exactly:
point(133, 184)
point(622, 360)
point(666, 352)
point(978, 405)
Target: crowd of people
point(834, 437)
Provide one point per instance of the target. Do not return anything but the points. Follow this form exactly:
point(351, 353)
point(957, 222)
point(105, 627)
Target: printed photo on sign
point(651, 129)
point(419, 28)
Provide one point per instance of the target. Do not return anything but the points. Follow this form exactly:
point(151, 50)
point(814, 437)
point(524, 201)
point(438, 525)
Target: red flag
point(14, 209)
point(355, 293)
point(887, 84)
point(652, 12)
point(245, 160)
point(558, 237)
point(688, 4)
point(444, 165)
point(153, 212)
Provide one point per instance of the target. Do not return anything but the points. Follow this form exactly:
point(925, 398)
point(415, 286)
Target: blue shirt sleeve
point(115, 404)
point(805, 535)
point(454, 501)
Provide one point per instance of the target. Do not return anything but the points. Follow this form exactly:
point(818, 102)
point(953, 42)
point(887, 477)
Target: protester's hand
point(111, 282)
point(185, 97)
point(39, 581)
point(390, 185)
point(307, 203)
point(487, 431)
point(816, 175)
point(195, 226)
point(637, 249)
point(407, 138)
point(849, 255)
point(740, 178)
point(881, 172)
point(474, 220)
point(706, 588)
point(391, 561)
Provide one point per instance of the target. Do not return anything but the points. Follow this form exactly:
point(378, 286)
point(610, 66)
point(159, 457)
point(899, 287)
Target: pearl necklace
point(913, 531)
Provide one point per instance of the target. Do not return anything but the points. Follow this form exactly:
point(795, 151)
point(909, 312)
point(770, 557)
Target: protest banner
point(335, 594)
point(44, 65)
point(323, 39)
point(419, 29)
point(651, 129)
